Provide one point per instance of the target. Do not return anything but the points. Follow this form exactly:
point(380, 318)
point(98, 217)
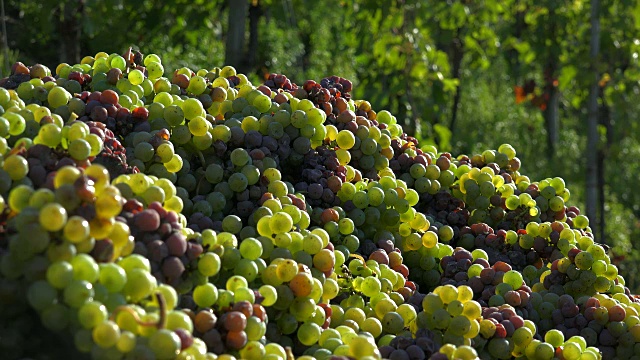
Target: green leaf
point(450, 85)
point(459, 13)
point(443, 135)
point(567, 75)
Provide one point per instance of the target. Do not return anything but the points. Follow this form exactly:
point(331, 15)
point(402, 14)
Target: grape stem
point(201, 157)
point(200, 183)
point(162, 307)
point(289, 353)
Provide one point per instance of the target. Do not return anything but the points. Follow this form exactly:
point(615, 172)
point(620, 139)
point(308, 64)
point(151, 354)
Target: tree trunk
point(255, 12)
point(513, 56)
point(70, 31)
point(605, 117)
point(234, 50)
point(457, 56)
point(551, 115)
point(592, 123)
point(551, 112)
point(5, 45)
point(412, 124)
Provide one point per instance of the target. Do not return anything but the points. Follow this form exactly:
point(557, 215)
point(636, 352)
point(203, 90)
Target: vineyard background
point(465, 75)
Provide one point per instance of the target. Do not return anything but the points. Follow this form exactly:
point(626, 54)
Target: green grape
point(198, 126)
point(280, 223)
point(136, 77)
point(584, 260)
point(113, 277)
point(445, 233)
point(513, 278)
point(312, 244)
point(50, 135)
point(522, 336)
point(85, 268)
point(309, 333)
point(53, 217)
point(175, 164)
point(16, 166)
point(192, 108)
point(556, 203)
point(119, 62)
point(197, 85)
point(392, 322)
point(140, 284)
point(251, 248)
point(370, 286)
point(144, 151)
point(57, 97)
point(544, 351)
point(581, 222)
point(79, 149)
point(209, 264)
point(91, 314)
point(56, 317)
point(205, 295)
point(345, 139)
point(41, 295)
point(60, 274)
point(571, 351)
point(77, 293)
point(346, 226)
point(286, 270)
point(165, 344)
point(240, 157)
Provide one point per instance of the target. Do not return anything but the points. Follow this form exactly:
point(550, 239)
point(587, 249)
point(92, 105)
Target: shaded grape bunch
point(158, 237)
point(224, 330)
point(113, 154)
point(20, 73)
point(104, 107)
point(423, 346)
point(44, 161)
point(321, 177)
point(279, 81)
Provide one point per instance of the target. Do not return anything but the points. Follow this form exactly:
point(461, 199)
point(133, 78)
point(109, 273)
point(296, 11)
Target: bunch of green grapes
point(452, 314)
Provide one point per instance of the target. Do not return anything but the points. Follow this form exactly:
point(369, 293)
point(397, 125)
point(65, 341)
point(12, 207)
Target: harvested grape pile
point(200, 216)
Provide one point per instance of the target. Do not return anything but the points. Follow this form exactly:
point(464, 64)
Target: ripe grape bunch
point(153, 213)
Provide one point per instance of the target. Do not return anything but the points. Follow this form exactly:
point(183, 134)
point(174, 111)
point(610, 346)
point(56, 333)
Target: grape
point(16, 166)
point(209, 264)
point(53, 217)
point(309, 333)
point(370, 286)
point(41, 295)
point(113, 277)
point(513, 278)
point(345, 139)
point(91, 314)
point(165, 344)
point(60, 274)
point(205, 295)
point(280, 223)
point(392, 322)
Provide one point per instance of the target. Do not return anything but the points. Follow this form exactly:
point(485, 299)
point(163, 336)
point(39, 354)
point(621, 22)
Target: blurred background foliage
point(466, 75)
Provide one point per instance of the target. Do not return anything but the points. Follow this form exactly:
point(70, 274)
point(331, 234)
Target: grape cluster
point(159, 238)
point(423, 346)
point(194, 215)
point(20, 73)
point(105, 107)
point(238, 328)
